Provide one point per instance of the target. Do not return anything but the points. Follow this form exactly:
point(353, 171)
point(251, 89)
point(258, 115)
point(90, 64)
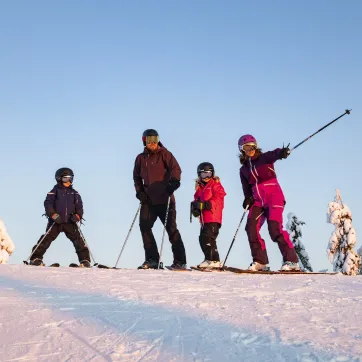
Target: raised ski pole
point(42, 239)
point(163, 234)
point(348, 111)
point(236, 233)
point(129, 233)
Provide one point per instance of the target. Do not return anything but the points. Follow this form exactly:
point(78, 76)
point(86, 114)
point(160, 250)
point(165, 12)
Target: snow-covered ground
point(64, 314)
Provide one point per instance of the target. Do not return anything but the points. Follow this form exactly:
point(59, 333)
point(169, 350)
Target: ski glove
point(75, 218)
point(284, 152)
point(57, 219)
point(172, 186)
point(142, 196)
point(201, 205)
point(248, 202)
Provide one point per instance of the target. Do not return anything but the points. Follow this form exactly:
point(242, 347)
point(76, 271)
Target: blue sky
point(80, 81)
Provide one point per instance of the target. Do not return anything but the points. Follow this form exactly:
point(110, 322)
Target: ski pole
point(42, 239)
point(129, 233)
point(236, 233)
point(348, 111)
point(86, 244)
point(163, 234)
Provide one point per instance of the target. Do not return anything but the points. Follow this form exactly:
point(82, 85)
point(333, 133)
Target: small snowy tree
point(295, 232)
point(359, 252)
point(6, 244)
point(343, 239)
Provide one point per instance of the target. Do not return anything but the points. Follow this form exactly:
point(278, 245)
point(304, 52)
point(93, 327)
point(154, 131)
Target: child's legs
point(253, 226)
point(44, 245)
point(208, 235)
point(72, 233)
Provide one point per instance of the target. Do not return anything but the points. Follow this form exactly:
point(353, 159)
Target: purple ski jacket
point(154, 171)
point(258, 170)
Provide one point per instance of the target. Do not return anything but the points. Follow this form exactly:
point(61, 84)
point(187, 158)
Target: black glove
point(57, 219)
point(196, 212)
point(284, 152)
point(248, 202)
point(142, 196)
point(172, 186)
point(75, 218)
point(201, 205)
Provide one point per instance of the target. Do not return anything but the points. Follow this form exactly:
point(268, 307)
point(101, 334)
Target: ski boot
point(205, 264)
point(178, 266)
point(290, 266)
point(36, 262)
point(255, 266)
point(150, 264)
point(85, 264)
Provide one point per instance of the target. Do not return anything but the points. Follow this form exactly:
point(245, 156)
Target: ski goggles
point(248, 147)
point(205, 174)
point(66, 179)
point(152, 140)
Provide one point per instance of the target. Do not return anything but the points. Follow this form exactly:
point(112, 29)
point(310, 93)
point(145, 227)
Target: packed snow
point(65, 314)
point(6, 244)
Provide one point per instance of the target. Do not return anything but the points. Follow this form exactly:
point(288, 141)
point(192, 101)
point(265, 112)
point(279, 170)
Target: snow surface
point(65, 314)
point(6, 244)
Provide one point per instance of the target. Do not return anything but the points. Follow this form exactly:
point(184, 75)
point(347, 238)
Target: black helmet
point(148, 133)
point(62, 172)
point(205, 167)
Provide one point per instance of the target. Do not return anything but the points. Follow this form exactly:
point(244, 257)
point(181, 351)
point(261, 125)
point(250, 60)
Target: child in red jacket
point(208, 205)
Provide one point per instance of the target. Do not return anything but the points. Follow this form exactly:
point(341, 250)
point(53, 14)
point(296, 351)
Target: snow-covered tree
point(343, 239)
point(295, 232)
point(359, 252)
point(6, 244)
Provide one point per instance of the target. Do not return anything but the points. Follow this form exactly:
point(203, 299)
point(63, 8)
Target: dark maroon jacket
point(258, 170)
point(154, 171)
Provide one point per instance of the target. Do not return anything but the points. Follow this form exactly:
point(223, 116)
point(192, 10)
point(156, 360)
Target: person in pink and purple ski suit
point(265, 200)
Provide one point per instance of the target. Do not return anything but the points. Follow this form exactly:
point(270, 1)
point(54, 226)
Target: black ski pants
point(207, 239)
point(148, 216)
point(71, 231)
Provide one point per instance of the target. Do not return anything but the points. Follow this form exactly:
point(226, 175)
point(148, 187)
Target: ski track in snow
point(128, 315)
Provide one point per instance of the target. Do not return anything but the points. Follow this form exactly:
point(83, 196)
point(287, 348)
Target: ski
point(54, 265)
point(177, 270)
point(245, 271)
point(204, 270)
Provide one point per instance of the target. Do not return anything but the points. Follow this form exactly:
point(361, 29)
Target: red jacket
point(214, 192)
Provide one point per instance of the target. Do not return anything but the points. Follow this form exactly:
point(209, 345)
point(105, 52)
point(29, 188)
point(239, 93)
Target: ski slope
point(65, 314)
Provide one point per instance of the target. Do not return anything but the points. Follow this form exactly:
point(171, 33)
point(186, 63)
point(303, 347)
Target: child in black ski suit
point(64, 208)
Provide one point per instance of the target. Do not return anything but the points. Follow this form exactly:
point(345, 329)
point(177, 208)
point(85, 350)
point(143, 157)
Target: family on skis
point(157, 175)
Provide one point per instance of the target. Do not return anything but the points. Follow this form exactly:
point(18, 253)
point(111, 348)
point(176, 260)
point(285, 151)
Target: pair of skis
point(269, 272)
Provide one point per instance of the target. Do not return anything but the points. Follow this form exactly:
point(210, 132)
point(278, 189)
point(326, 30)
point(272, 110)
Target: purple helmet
point(247, 138)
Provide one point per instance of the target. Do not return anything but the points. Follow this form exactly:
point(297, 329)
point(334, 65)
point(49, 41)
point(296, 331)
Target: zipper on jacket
point(256, 181)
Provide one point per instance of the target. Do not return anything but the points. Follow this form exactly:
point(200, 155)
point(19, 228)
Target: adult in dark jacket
point(64, 208)
point(156, 176)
